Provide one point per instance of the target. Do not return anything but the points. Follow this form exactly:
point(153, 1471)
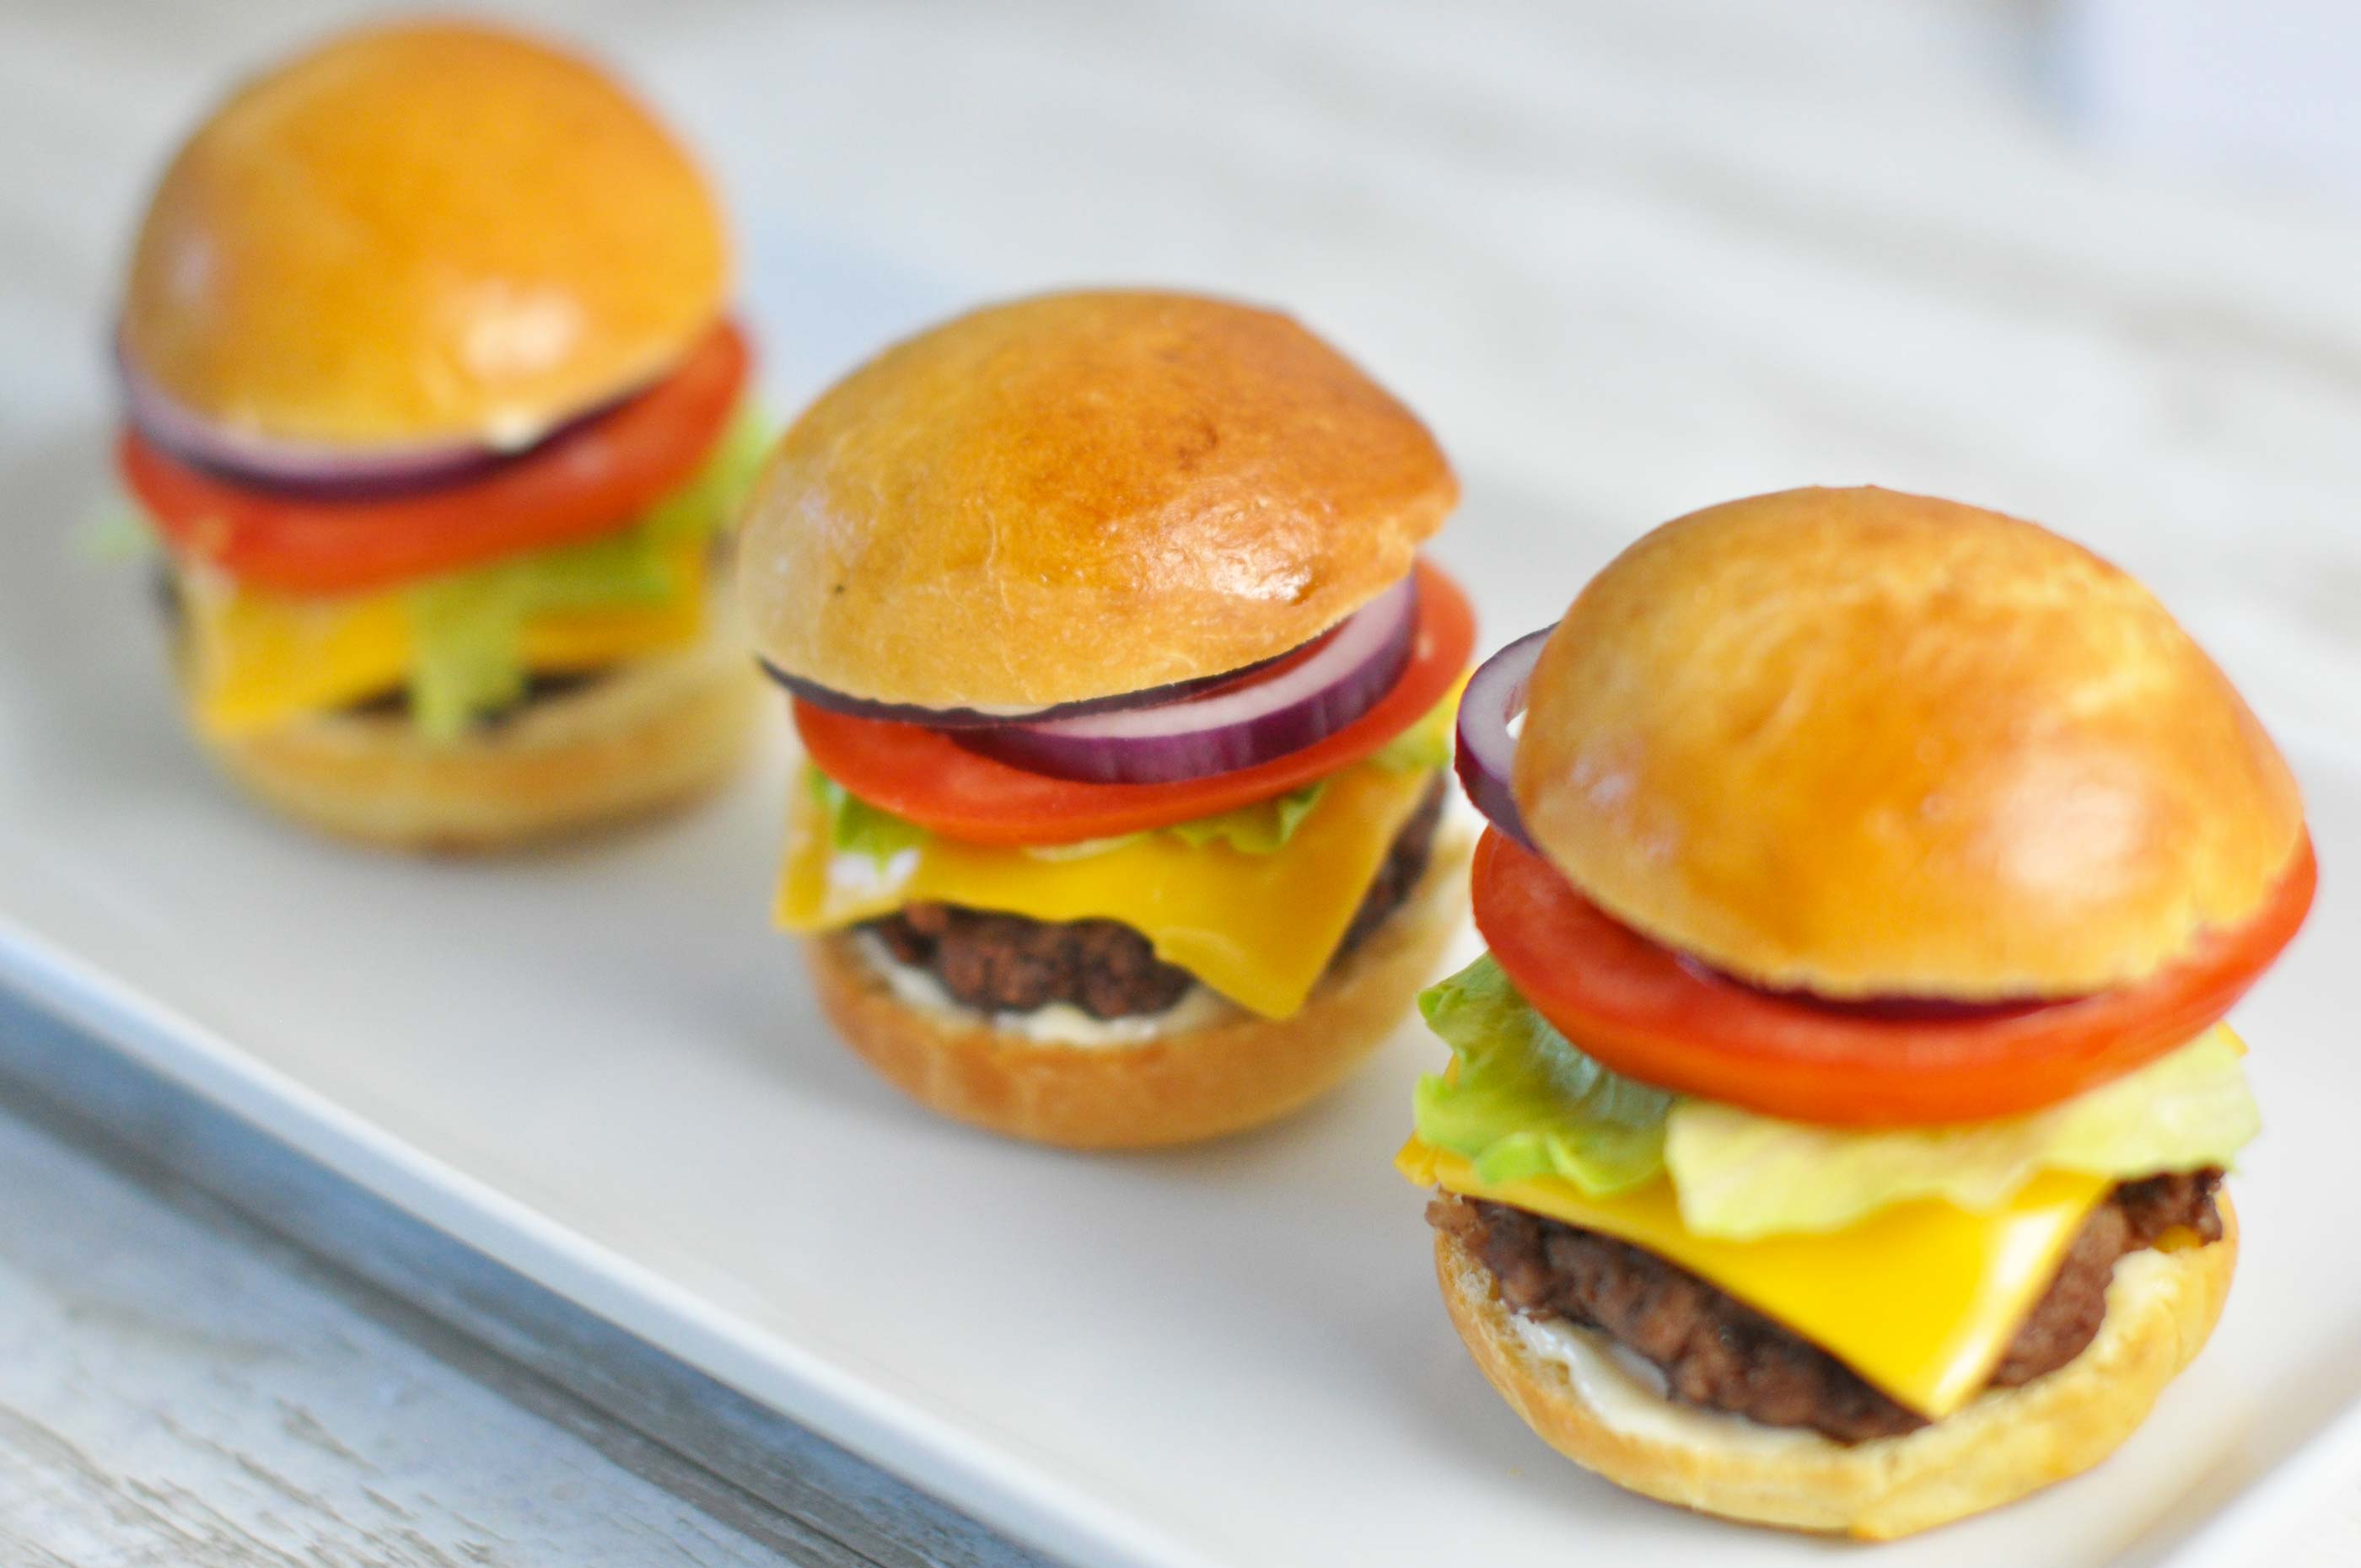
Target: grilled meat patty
point(1716, 1352)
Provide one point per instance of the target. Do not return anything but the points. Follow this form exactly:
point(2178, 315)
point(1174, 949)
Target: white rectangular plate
point(604, 1068)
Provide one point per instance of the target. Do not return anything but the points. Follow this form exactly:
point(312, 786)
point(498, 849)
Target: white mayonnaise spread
point(1628, 1392)
point(1060, 1024)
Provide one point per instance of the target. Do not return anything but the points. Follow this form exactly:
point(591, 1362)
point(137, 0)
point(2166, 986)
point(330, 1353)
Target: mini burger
point(1834, 1133)
point(432, 401)
point(1126, 696)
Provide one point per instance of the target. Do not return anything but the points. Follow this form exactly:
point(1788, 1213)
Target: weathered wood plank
point(177, 1389)
point(502, 1349)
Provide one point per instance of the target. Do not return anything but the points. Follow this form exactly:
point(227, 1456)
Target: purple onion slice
point(1234, 726)
point(1486, 751)
point(836, 701)
point(327, 472)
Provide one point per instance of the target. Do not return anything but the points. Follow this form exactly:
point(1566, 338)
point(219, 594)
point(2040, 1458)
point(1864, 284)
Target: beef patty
point(1006, 963)
point(1716, 1352)
point(540, 686)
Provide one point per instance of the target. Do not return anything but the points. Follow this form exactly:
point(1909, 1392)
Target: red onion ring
point(1896, 1007)
point(836, 701)
point(1238, 724)
point(1486, 751)
point(310, 468)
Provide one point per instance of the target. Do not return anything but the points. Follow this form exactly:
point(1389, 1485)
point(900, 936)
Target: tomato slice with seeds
point(1639, 1008)
point(927, 777)
point(577, 485)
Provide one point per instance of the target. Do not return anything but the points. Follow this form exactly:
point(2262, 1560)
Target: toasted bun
point(1080, 495)
point(657, 733)
point(1870, 743)
point(1186, 1087)
point(417, 232)
point(2161, 1307)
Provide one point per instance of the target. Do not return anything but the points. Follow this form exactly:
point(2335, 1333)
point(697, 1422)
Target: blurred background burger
point(431, 400)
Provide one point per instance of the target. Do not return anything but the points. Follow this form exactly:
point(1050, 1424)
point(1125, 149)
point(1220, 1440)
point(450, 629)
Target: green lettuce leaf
point(468, 628)
point(1426, 744)
point(1261, 828)
point(1741, 1175)
point(1520, 1101)
point(116, 534)
point(708, 503)
point(856, 825)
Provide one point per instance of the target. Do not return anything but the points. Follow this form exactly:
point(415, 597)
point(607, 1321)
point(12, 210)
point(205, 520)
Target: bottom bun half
point(2161, 1307)
point(655, 733)
point(1190, 1085)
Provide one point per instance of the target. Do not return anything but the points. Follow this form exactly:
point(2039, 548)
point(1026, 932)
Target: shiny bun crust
point(419, 233)
point(1870, 743)
point(1187, 1087)
point(1079, 495)
point(2006, 1444)
point(656, 734)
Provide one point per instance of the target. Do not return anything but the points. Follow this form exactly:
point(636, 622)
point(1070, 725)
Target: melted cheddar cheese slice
point(1921, 1299)
point(258, 659)
point(1257, 928)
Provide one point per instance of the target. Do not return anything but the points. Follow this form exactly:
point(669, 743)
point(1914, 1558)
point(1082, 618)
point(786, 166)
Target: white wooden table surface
point(1629, 255)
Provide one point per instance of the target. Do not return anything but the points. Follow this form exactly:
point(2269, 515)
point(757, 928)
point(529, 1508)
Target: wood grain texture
point(175, 1389)
point(175, 1377)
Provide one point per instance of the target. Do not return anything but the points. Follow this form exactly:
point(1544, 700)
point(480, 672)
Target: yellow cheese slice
point(1257, 928)
point(1921, 1299)
point(258, 659)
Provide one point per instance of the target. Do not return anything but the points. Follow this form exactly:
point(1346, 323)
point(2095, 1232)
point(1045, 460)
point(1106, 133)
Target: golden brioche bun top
point(1870, 743)
point(1079, 495)
point(418, 233)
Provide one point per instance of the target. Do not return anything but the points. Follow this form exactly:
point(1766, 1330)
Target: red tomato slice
point(582, 483)
point(1640, 1009)
point(926, 776)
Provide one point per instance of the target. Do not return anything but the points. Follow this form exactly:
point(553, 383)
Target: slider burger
point(1834, 1132)
point(432, 401)
point(1126, 697)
